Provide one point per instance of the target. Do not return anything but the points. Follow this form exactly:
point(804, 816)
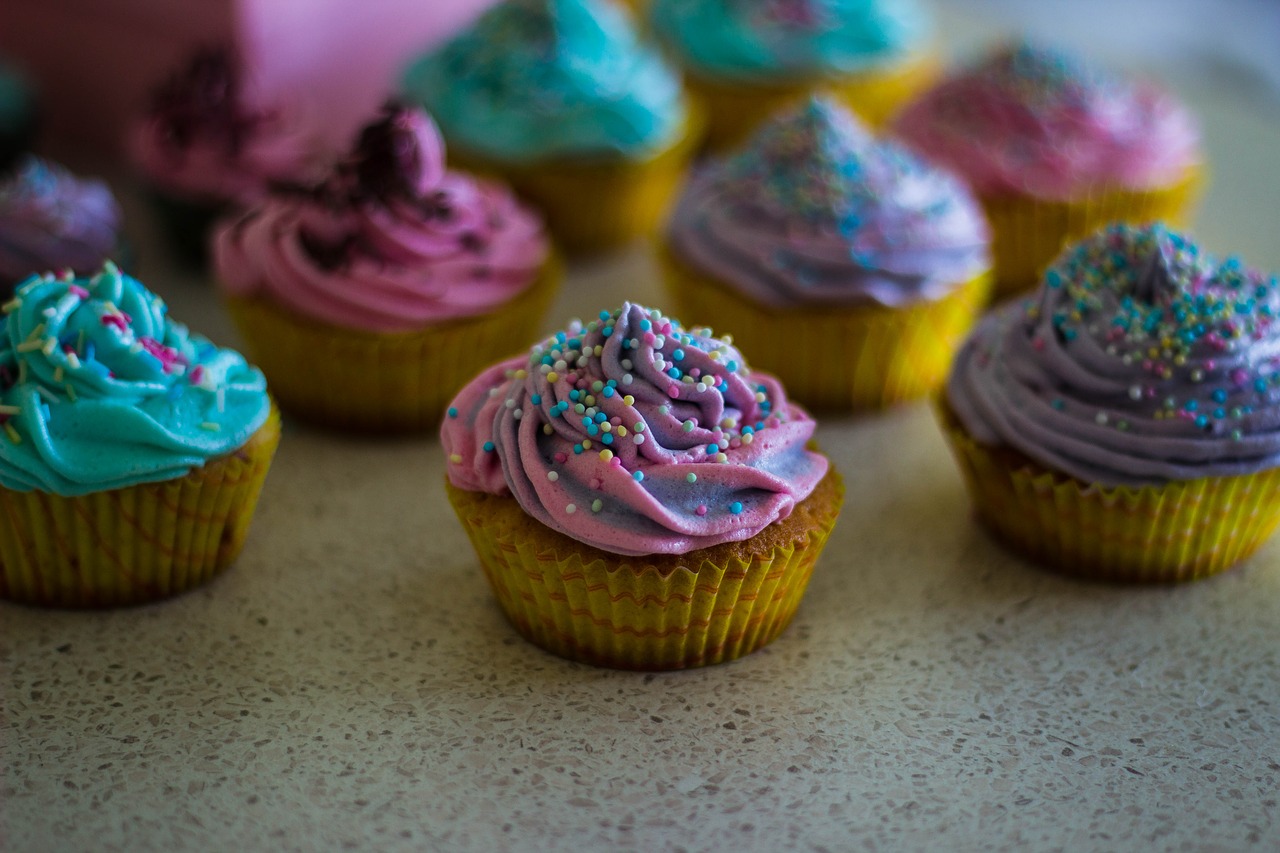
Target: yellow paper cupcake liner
point(394, 382)
point(1027, 234)
point(836, 357)
point(735, 109)
point(136, 544)
point(624, 612)
point(593, 205)
point(1178, 531)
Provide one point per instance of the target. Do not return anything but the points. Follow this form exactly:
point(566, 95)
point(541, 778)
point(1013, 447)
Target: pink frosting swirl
point(202, 138)
point(1036, 121)
point(391, 242)
point(635, 436)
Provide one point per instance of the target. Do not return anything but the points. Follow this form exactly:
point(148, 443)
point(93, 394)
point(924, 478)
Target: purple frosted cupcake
point(52, 220)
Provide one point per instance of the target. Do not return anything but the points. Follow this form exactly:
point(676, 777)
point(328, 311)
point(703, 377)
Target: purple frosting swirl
point(817, 211)
point(1142, 360)
point(52, 220)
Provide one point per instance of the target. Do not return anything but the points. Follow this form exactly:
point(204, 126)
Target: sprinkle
point(597, 505)
point(9, 411)
point(736, 507)
point(210, 426)
point(488, 447)
point(687, 426)
point(570, 509)
point(455, 458)
point(552, 476)
point(638, 438)
point(691, 478)
point(606, 454)
point(12, 433)
point(638, 476)
point(701, 510)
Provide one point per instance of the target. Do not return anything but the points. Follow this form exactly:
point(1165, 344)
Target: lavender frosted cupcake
point(1124, 423)
point(845, 265)
point(52, 220)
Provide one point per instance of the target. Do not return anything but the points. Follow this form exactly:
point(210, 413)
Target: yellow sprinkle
point(37, 332)
point(49, 346)
point(622, 432)
point(29, 346)
point(589, 400)
point(71, 392)
point(748, 438)
point(546, 429)
point(606, 426)
point(455, 458)
point(57, 374)
point(521, 373)
point(13, 434)
point(628, 400)
point(715, 355)
point(12, 305)
point(606, 454)
point(10, 410)
point(210, 426)
point(552, 376)
point(73, 361)
point(586, 444)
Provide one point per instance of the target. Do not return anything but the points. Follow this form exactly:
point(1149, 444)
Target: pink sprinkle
point(666, 328)
point(615, 420)
point(735, 442)
point(673, 390)
point(616, 461)
point(116, 320)
point(773, 421)
point(701, 510)
point(77, 290)
point(648, 337)
point(167, 356)
point(559, 457)
point(197, 373)
point(695, 372)
point(1239, 377)
point(1037, 344)
point(597, 483)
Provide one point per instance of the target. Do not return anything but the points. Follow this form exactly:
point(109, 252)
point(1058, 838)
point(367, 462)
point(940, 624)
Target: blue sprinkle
point(674, 373)
point(645, 325)
point(612, 383)
point(1191, 406)
point(1219, 396)
point(1260, 385)
point(593, 430)
point(678, 355)
point(574, 394)
point(638, 476)
point(607, 331)
point(586, 422)
point(175, 391)
point(1219, 413)
point(536, 399)
point(732, 366)
point(604, 315)
point(577, 448)
point(453, 412)
point(1201, 420)
point(601, 417)
point(712, 449)
point(608, 392)
point(747, 430)
point(607, 438)
point(488, 447)
point(735, 507)
point(723, 387)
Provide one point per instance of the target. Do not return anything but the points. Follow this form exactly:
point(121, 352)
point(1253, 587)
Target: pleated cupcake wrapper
point(736, 109)
point(374, 382)
point(592, 205)
point(627, 615)
point(136, 544)
point(1029, 233)
point(1178, 531)
point(836, 357)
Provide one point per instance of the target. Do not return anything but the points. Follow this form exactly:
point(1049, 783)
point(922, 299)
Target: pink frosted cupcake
point(370, 299)
point(206, 148)
point(1056, 148)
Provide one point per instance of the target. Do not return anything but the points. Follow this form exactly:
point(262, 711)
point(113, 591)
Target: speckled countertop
point(350, 684)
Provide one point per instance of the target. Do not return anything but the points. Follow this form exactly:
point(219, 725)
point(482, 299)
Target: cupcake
point(1056, 149)
point(52, 220)
point(561, 99)
point(17, 117)
point(638, 498)
point(748, 59)
point(205, 148)
point(1124, 423)
point(132, 453)
point(370, 299)
point(844, 265)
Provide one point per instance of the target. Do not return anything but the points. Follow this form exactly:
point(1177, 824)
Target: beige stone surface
point(350, 684)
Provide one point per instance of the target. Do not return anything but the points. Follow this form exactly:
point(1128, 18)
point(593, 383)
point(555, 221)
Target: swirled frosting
point(99, 389)
point(1142, 360)
point(50, 219)
point(538, 79)
point(204, 139)
point(1034, 120)
point(817, 211)
point(635, 436)
point(392, 241)
point(781, 40)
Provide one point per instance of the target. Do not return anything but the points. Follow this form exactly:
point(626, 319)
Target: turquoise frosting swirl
point(100, 390)
point(535, 79)
point(783, 40)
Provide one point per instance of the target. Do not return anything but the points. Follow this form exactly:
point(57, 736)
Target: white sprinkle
point(626, 364)
point(518, 414)
point(49, 346)
point(627, 379)
point(552, 476)
point(210, 426)
point(1101, 418)
point(511, 403)
point(571, 509)
point(222, 399)
point(638, 438)
point(1135, 392)
point(47, 394)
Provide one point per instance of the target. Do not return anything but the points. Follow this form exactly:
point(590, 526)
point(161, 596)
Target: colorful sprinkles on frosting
point(689, 372)
point(1175, 318)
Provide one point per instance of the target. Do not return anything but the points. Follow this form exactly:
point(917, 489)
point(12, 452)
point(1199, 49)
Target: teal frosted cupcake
point(563, 100)
point(747, 59)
